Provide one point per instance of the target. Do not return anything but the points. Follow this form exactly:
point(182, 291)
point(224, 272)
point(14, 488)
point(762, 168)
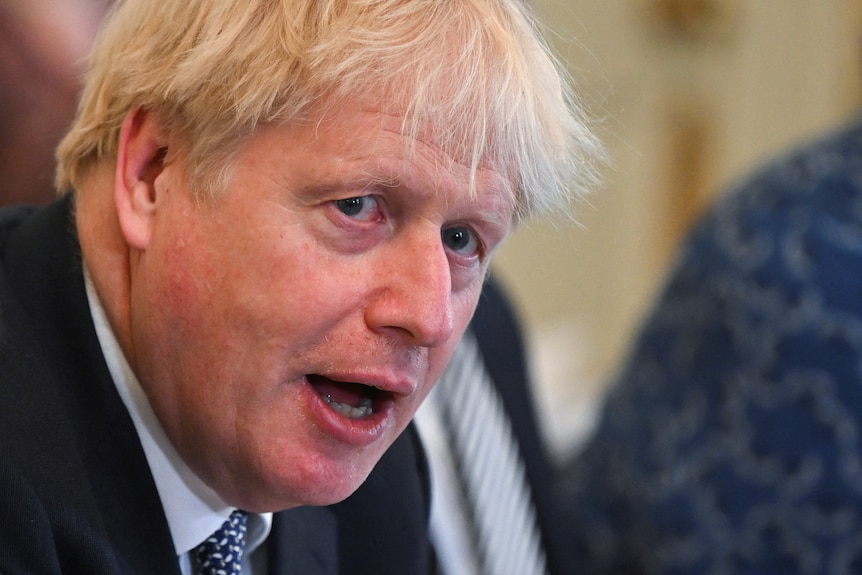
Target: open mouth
point(352, 400)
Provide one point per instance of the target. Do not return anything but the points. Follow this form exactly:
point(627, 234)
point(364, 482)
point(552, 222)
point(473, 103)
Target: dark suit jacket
point(76, 494)
point(498, 334)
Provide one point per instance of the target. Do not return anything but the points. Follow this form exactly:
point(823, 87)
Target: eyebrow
point(391, 173)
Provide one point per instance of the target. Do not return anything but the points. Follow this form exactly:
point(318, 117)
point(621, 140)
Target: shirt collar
point(193, 510)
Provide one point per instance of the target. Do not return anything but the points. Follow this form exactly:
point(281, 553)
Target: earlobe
point(140, 160)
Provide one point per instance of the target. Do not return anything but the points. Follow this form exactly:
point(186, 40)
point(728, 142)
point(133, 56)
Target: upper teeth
point(362, 410)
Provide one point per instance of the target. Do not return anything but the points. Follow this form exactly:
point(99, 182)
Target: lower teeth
point(362, 410)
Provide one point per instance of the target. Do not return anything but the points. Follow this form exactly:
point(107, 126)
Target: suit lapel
point(43, 255)
point(304, 541)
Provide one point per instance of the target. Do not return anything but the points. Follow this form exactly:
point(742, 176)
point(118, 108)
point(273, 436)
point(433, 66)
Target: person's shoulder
point(823, 173)
point(835, 152)
point(11, 217)
point(24, 361)
point(817, 184)
point(11, 316)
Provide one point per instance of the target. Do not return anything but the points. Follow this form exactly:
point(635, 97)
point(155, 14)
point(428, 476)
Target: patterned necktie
point(489, 467)
point(221, 553)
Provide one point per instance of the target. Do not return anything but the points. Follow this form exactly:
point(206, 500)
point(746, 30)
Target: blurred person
point(275, 225)
point(730, 442)
point(43, 44)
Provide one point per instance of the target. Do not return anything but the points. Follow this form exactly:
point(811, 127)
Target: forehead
point(456, 159)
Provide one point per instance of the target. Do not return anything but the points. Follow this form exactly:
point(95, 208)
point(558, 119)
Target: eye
point(359, 207)
point(460, 239)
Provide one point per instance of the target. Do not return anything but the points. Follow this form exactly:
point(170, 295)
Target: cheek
point(438, 358)
point(314, 284)
point(184, 263)
point(178, 306)
point(464, 304)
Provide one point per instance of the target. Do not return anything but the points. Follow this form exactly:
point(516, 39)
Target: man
point(277, 222)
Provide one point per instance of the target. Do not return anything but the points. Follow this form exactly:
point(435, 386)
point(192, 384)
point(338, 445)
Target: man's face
point(286, 335)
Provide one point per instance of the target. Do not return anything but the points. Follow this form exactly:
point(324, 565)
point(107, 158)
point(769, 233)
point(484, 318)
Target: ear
point(140, 159)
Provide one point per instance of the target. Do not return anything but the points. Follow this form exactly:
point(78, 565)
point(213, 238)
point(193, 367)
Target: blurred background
point(42, 47)
point(688, 96)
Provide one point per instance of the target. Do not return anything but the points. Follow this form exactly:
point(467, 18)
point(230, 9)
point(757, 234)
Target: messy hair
point(476, 71)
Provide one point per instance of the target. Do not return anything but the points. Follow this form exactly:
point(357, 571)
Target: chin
point(317, 485)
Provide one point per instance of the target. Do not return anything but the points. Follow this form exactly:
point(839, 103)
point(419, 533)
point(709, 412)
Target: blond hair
point(477, 71)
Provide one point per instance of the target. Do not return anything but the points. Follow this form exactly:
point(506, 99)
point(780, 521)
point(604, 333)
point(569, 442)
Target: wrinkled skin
point(338, 271)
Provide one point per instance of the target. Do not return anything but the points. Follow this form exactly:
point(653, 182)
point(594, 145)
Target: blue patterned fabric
point(732, 440)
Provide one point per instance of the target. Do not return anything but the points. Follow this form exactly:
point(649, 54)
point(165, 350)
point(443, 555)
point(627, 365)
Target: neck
point(105, 254)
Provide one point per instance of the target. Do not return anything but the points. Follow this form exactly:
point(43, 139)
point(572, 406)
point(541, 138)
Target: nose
point(414, 295)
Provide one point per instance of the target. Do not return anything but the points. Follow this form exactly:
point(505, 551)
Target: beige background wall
point(690, 94)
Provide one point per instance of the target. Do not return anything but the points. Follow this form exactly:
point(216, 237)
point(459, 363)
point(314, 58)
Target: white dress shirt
point(449, 526)
point(193, 510)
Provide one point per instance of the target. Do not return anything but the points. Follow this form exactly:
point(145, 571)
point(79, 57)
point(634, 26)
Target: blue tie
point(221, 553)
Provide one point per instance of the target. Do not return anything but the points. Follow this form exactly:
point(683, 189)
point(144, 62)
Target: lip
point(361, 431)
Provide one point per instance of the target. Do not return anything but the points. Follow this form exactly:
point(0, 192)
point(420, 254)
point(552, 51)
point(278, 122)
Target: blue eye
point(460, 239)
point(351, 206)
point(359, 207)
